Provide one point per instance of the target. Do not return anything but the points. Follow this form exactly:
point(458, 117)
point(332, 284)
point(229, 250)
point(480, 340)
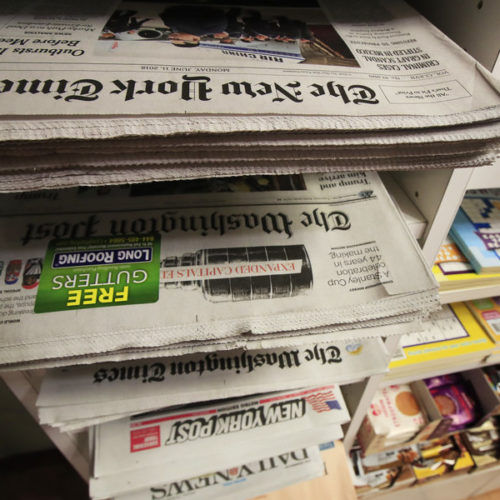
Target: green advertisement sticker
point(99, 272)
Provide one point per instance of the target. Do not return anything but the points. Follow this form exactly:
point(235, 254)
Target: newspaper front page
point(75, 397)
point(145, 450)
point(243, 481)
point(359, 65)
point(318, 252)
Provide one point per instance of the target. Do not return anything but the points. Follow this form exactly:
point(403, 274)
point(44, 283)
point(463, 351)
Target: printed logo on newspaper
point(235, 421)
point(323, 401)
point(145, 439)
point(209, 423)
point(99, 272)
point(354, 349)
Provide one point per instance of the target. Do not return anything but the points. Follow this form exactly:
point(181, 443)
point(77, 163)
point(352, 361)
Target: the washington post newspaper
point(286, 259)
point(242, 481)
point(353, 65)
point(149, 449)
point(306, 256)
point(76, 397)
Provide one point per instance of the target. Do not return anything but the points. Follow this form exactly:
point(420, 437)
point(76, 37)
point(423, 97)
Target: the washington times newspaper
point(75, 397)
point(359, 65)
point(278, 258)
point(142, 451)
point(242, 481)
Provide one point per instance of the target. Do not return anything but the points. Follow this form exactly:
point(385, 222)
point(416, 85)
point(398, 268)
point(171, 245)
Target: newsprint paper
point(209, 267)
point(75, 397)
point(147, 450)
point(154, 80)
point(241, 482)
point(359, 65)
point(320, 255)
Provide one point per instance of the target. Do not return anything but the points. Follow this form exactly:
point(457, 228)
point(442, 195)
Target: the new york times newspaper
point(145, 450)
point(76, 397)
point(228, 269)
point(241, 481)
point(307, 257)
point(378, 63)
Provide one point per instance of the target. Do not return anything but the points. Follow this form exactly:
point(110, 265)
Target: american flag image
point(323, 401)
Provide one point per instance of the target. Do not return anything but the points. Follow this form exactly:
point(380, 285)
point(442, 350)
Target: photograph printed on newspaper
point(256, 31)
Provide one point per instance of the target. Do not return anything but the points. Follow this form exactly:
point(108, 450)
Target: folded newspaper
point(242, 481)
point(261, 263)
point(148, 450)
point(85, 83)
point(76, 397)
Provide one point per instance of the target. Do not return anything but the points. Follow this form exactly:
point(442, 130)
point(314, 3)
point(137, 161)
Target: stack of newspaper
point(149, 450)
point(109, 92)
point(73, 398)
point(249, 262)
point(205, 290)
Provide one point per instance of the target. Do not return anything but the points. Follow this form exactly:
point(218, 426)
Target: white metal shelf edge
point(485, 177)
point(457, 487)
point(67, 444)
point(426, 373)
point(479, 292)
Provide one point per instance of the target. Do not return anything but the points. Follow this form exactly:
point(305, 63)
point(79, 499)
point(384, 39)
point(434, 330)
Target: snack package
point(396, 413)
point(389, 459)
point(394, 417)
point(483, 443)
point(435, 448)
point(438, 381)
point(392, 477)
point(493, 374)
point(456, 402)
point(444, 456)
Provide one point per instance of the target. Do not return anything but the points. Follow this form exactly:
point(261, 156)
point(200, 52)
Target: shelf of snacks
point(400, 483)
point(437, 428)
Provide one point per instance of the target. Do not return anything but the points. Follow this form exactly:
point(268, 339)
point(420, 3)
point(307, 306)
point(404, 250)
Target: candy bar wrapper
point(440, 380)
point(455, 402)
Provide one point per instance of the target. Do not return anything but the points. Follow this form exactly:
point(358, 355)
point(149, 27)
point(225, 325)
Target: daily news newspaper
point(79, 396)
point(317, 254)
point(341, 65)
point(242, 481)
point(164, 446)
